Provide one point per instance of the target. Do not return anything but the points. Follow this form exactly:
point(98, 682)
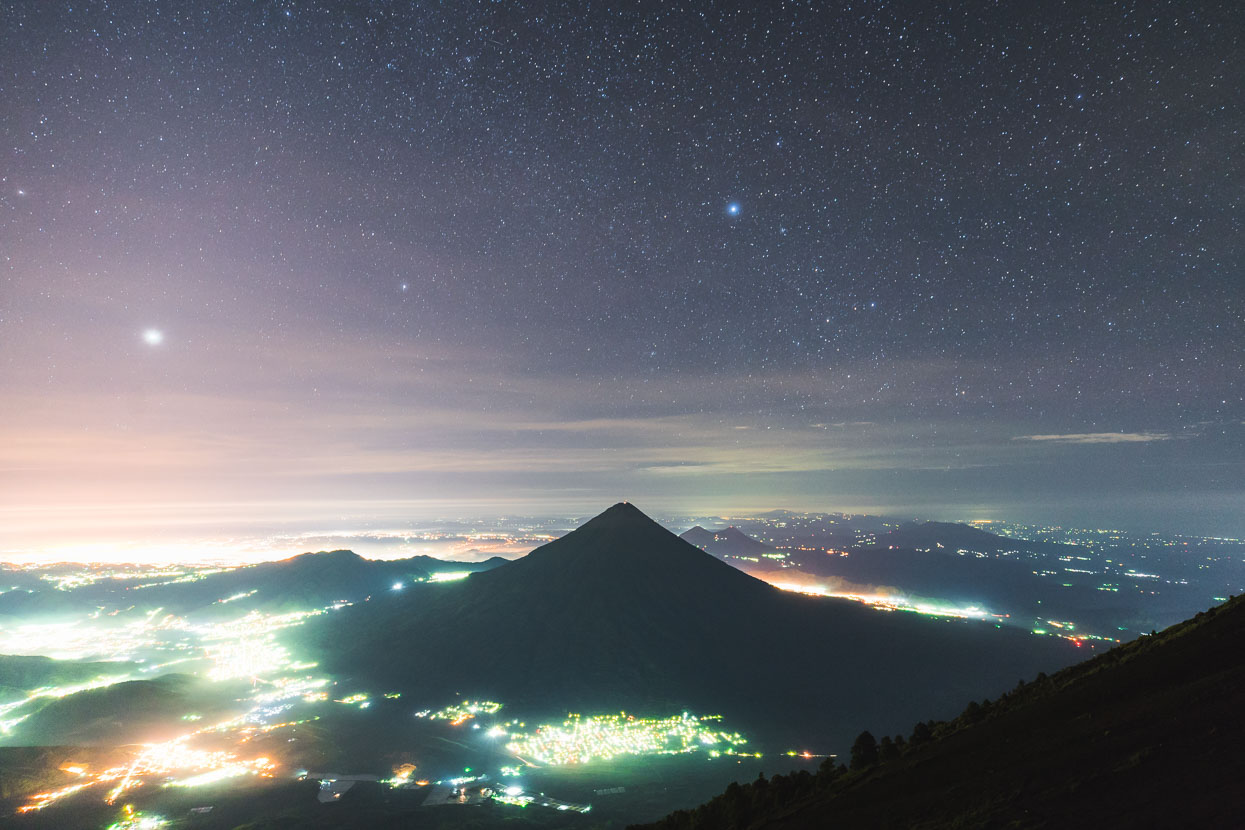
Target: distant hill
point(126, 712)
point(621, 612)
point(19, 674)
point(730, 541)
point(436, 566)
point(1145, 735)
point(309, 579)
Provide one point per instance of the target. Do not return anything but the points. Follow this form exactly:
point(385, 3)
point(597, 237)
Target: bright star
point(732, 209)
point(153, 337)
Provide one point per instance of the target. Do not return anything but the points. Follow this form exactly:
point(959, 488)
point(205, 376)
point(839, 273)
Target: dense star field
point(965, 259)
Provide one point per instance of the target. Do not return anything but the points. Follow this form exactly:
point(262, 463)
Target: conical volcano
point(623, 613)
point(624, 553)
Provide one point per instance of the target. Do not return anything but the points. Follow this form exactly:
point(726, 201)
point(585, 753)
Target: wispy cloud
point(1098, 437)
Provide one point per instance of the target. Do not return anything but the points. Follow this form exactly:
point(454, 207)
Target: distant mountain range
point(942, 561)
point(302, 582)
point(622, 613)
point(1145, 735)
point(306, 581)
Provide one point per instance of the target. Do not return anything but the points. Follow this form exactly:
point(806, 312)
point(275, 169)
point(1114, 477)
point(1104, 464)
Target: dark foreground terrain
point(1146, 735)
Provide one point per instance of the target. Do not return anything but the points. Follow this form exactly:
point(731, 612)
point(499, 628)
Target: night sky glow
point(265, 261)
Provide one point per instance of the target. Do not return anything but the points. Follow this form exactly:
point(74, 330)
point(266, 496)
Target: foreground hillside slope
point(622, 613)
point(1146, 735)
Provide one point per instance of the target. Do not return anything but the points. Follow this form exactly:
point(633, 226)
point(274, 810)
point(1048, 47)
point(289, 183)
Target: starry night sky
point(371, 260)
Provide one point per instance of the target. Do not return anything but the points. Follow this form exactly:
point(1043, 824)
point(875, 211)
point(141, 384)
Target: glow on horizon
point(237, 533)
point(380, 544)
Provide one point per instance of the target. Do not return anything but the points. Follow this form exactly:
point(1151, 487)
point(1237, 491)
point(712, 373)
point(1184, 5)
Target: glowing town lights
point(449, 576)
point(132, 819)
point(580, 740)
point(883, 602)
point(402, 775)
point(287, 688)
point(242, 647)
point(176, 756)
point(460, 713)
point(237, 597)
point(40, 800)
point(255, 767)
point(245, 658)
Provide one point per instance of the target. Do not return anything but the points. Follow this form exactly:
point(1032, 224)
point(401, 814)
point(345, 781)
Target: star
point(153, 337)
point(732, 209)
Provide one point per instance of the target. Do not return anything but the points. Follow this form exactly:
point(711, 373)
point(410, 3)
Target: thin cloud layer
point(1099, 437)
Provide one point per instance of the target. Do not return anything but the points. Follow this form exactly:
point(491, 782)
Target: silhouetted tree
point(887, 751)
point(829, 770)
point(921, 733)
point(736, 805)
point(864, 750)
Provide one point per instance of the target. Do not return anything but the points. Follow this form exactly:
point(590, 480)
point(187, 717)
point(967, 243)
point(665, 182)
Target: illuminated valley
point(235, 702)
point(253, 693)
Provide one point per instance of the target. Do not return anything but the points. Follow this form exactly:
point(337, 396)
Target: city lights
point(579, 740)
point(210, 752)
point(460, 713)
